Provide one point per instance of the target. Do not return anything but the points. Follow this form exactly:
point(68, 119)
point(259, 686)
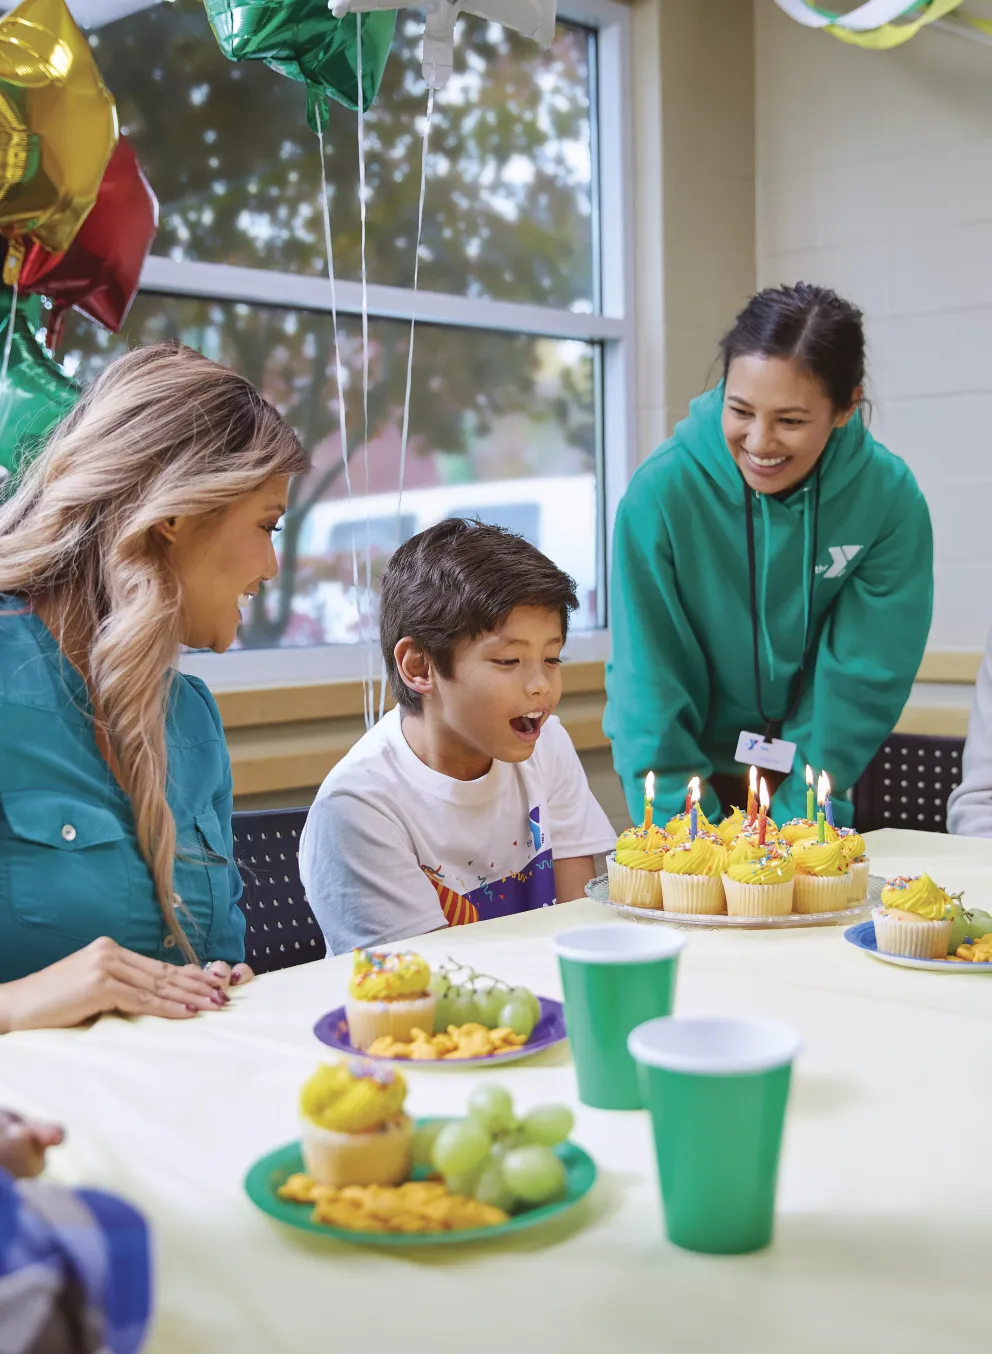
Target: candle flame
point(764, 798)
point(822, 788)
point(809, 775)
point(695, 790)
point(649, 787)
point(752, 780)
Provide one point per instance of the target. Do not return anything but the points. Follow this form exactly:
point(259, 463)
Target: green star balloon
point(35, 394)
point(302, 39)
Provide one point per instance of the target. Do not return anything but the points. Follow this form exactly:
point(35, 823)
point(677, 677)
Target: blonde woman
point(146, 519)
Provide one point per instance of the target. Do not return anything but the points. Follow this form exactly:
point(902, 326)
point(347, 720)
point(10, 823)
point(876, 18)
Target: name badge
point(771, 755)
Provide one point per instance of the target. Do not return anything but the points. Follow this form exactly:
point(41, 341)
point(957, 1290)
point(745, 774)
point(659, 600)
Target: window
point(518, 374)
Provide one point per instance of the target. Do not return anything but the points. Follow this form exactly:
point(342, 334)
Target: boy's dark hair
point(813, 326)
point(458, 580)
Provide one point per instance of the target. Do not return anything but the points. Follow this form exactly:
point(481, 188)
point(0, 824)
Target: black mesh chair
point(281, 929)
point(908, 782)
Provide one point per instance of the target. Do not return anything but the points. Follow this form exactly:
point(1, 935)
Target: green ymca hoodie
point(680, 683)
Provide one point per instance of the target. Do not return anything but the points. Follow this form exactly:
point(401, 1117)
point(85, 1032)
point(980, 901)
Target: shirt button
point(169, 941)
point(69, 832)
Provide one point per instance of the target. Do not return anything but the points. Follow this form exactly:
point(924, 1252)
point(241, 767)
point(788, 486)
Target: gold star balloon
point(58, 127)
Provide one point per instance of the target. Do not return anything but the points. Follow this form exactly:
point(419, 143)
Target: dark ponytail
point(811, 325)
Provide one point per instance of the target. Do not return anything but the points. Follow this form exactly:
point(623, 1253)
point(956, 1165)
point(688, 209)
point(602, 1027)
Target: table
point(885, 1204)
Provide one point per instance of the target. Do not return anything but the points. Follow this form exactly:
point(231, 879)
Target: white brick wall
point(874, 176)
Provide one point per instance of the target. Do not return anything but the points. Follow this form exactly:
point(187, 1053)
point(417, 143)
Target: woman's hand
point(23, 1143)
point(105, 977)
point(230, 977)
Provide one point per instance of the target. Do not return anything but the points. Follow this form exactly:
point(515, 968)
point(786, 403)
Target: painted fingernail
point(235, 978)
point(192, 1009)
point(220, 998)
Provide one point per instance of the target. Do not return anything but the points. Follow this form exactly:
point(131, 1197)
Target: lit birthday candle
point(694, 797)
point(765, 799)
point(752, 794)
point(648, 799)
point(809, 792)
point(822, 794)
point(828, 805)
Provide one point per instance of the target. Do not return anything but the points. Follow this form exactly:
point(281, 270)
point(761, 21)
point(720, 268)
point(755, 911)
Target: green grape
point(980, 924)
point(506, 1142)
point(439, 983)
point(465, 1182)
point(525, 994)
point(461, 1006)
point(442, 1014)
point(424, 1137)
point(489, 1003)
point(960, 928)
point(493, 1107)
point(518, 1016)
point(491, 1188)
point(548, 1125)
point(461, 1145)
point(534, 1174)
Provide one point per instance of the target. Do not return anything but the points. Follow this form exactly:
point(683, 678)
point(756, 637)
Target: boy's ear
point(414, 666)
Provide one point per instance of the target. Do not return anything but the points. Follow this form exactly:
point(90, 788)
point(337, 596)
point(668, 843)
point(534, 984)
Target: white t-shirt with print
point(393, 849)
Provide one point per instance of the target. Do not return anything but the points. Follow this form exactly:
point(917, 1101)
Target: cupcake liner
point(338, 1159)
point(814, 893)
point(369, 1020)
point(917, 939)
point(635, 888)
point(701, 894)
point(758, 900)
point(859, 875)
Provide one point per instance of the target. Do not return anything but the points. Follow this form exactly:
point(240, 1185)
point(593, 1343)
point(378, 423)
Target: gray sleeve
point(969, 809)
point(362, 876)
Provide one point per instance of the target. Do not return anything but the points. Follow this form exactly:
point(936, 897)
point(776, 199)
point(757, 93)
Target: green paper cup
point(614, 977)
point(716, 1088)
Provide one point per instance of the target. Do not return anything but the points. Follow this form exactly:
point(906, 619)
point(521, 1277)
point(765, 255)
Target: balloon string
point(370, 662)
point(339, 376)
point(409, 355)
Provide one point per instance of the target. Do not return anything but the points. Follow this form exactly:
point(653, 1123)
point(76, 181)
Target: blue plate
point(332, 1029)
point(863, 936)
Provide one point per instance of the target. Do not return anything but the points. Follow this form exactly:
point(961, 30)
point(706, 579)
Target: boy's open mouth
point(528, 726)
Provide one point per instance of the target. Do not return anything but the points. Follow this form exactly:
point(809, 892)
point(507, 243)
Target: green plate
point(271, 1171)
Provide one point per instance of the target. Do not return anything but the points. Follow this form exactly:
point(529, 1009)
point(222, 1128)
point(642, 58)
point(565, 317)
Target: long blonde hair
point(163, 432)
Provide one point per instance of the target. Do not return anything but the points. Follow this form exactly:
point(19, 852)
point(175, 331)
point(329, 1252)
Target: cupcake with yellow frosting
point(388, 995)
point(693, 875)
point(802, 830)
point(759, 880)
point(634, 868)
point(914, 919)
point(679, 827)
point(732, 826)
point(352, 1127)
point(823, 881)
point(749, 834)
point(856, 854)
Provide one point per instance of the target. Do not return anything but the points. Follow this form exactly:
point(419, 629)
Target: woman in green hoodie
point(772, 572)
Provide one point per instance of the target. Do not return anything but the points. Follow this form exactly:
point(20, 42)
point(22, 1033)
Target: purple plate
point(332, 1029)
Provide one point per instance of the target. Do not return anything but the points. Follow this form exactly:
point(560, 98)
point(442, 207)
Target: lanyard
point(773, 727)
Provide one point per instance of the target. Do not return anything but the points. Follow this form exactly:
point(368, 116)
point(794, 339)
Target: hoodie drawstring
point(807, 550)
point(766, 554)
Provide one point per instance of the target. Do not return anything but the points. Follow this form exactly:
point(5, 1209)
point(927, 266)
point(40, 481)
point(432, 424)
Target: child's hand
point(23, 1143)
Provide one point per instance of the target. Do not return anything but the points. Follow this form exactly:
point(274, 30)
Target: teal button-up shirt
point(70, 867)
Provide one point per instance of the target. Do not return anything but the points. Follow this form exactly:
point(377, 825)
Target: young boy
point(467, 801)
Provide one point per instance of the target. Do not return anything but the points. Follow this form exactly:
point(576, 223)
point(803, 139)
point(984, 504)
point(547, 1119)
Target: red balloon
point(100, 271)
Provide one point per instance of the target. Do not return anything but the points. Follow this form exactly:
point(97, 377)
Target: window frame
point(612, 329)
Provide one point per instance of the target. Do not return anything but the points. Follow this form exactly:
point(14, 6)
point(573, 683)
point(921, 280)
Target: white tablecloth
point(885, 1202)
